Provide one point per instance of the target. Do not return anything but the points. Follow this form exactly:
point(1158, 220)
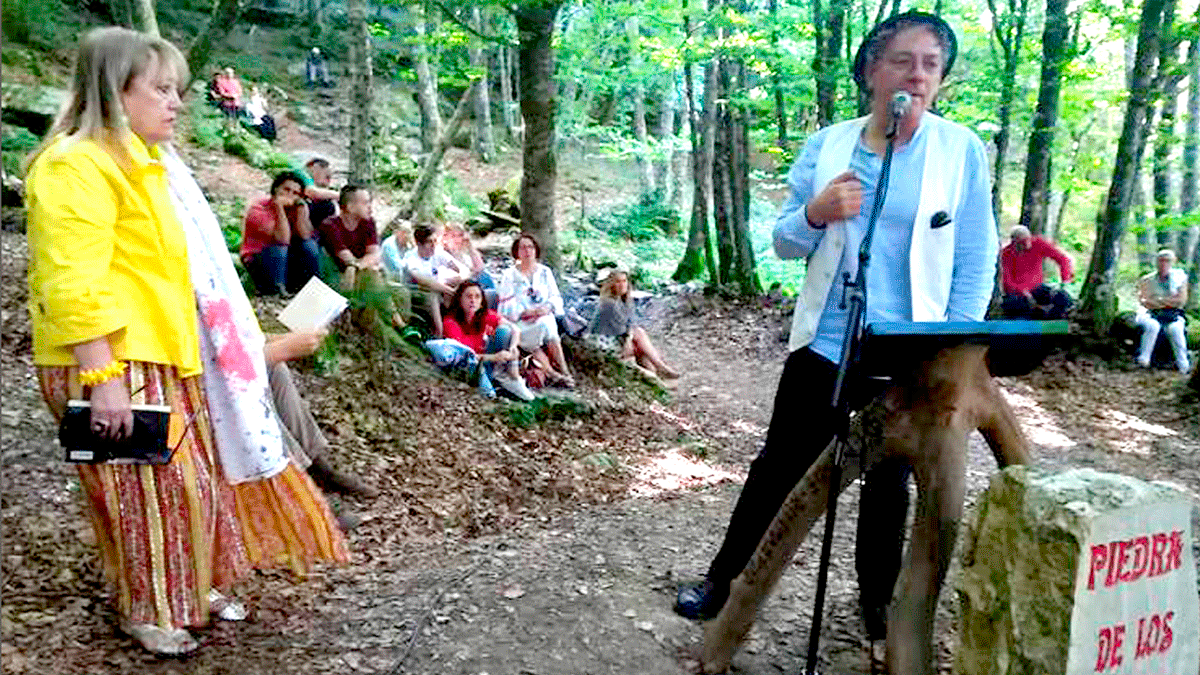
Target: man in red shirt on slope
point(1026, 295)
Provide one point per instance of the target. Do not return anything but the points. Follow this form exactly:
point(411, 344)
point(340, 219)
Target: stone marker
point(1078, 572)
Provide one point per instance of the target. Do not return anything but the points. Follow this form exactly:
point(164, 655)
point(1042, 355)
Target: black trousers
point(802, 424)
point(1056, 301)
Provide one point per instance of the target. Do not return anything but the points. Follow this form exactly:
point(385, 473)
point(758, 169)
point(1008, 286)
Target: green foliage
point(230, 214)
point(644, 220)
point(208, 132)
point(251, 147)
point(15, 144)
point(546, 408)
point(460, 198)
point(44, 24)
point(211, 130)
point(395, 168)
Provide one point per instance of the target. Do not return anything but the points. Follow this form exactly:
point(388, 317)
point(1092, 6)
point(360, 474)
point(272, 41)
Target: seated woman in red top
point(494, 339)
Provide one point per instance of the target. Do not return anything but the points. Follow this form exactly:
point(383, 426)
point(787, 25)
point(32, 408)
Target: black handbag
point(148, 444)
point(1166, 315)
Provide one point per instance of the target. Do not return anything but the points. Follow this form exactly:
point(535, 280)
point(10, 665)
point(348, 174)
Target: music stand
point(1016, 346)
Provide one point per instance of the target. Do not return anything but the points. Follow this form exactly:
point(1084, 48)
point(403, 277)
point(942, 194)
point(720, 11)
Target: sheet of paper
point(313, 308)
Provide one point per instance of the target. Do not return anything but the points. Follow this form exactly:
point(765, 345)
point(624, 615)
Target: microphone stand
point(856, 292)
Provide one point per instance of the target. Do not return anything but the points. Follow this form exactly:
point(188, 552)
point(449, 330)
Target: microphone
point(901, 103)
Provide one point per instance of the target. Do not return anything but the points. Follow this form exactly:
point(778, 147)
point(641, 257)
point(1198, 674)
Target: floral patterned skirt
point(169, 533)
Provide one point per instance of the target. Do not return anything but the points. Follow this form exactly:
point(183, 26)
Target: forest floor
point(503, 549)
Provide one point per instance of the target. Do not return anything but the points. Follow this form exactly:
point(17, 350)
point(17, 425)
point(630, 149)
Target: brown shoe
point(332, 480)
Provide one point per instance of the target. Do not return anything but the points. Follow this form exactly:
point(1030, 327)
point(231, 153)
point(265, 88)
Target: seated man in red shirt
point(1026, 295)
point(353, 242)
point(350, 237)
point(278, 247)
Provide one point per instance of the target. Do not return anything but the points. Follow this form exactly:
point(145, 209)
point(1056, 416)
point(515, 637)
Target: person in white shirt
point(529, 297)
point(1163, 294)
point(431, 269)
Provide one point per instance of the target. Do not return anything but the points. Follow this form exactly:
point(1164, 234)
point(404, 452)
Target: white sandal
point(158, 640)
point(224, 607)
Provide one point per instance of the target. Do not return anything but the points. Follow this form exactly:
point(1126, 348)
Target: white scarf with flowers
point(246, 429)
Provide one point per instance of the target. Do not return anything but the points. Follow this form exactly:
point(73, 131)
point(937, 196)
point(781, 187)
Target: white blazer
point(931, 257)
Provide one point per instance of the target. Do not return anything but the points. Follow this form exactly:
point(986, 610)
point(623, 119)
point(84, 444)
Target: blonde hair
point(107, 61)
point(606, 290)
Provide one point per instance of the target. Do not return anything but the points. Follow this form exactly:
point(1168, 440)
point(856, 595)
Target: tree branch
point(469, 28)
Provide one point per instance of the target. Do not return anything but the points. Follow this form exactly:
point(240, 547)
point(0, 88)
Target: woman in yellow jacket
point(115, 322)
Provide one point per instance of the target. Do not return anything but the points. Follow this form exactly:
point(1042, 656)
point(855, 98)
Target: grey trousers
point(301, 435)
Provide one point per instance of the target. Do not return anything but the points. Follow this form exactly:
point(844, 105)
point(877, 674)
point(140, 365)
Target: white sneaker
point(513, 385)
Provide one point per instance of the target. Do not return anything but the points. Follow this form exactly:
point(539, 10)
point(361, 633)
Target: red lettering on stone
point(1141, 639)
point(1175, 557)
point(1118, 640)
point(1157, 549)
point(1103, 649)
point(1141, 558)
point(1168, 637)
point(1111, 578)
point(1125, 561)
point(1099, 561)
point(1122, 572)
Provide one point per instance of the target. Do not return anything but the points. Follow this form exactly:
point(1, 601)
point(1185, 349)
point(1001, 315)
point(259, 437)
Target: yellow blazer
point(107, 255)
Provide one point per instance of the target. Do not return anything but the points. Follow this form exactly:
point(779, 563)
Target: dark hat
point(939, 27)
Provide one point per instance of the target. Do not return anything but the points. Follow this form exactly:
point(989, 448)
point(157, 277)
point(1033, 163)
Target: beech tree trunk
point(1035, 195)
point(664, 178)
point(535, 25)
point(145, 18)
point(645, 169)
point(1142, 232)
point(224, 15)
point(427, 88)
point(1099, 299)
point(432, 169)
point(827, 36)
point(745, 276)
point(731, 204)
point(362, 171)
point(1187, 189)
point(1191, 151)
point(1009, 32)
point(1169, 77)
point(776, 83)
point(508, 104)
point(698, 254)
point(485, 143)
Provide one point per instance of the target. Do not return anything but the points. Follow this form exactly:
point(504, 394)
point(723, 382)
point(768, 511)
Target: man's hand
point(841, 199)
point(371, 261)
point(291, 346)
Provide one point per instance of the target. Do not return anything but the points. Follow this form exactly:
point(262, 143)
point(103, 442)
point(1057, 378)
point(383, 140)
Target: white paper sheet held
point(313, 308)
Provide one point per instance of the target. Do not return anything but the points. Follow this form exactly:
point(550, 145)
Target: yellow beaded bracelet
point(95, 376)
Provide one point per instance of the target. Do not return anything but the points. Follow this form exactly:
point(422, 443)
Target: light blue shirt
point(393, 258)
point(889, 290)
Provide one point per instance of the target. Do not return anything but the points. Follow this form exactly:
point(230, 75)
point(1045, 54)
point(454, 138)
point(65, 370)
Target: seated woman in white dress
point(529, 298)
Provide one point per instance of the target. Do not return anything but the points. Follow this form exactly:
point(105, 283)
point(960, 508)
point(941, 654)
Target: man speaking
point(933, 258)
